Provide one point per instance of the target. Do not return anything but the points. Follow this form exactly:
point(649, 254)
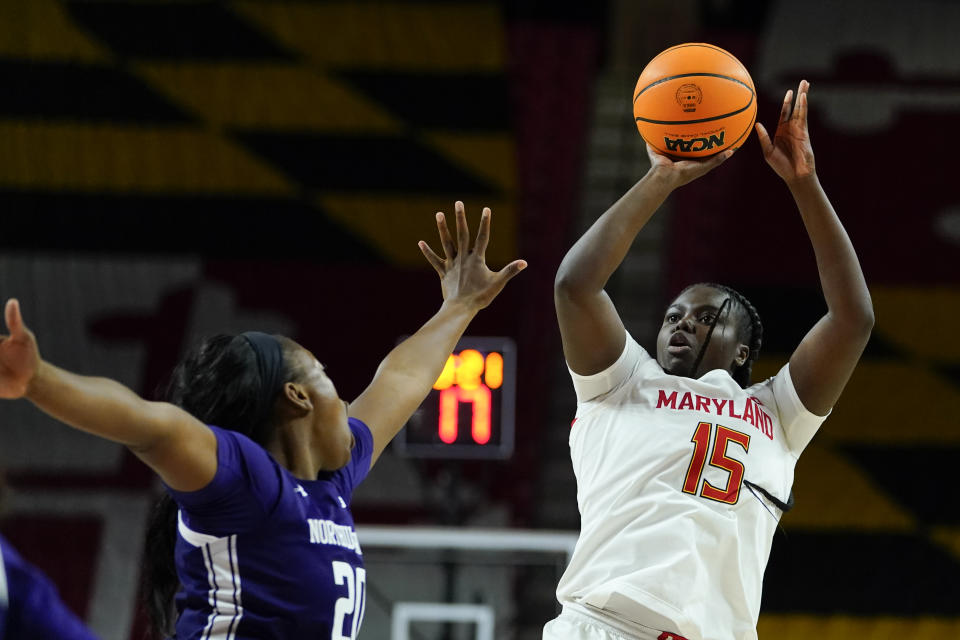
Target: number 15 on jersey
point(722, 439)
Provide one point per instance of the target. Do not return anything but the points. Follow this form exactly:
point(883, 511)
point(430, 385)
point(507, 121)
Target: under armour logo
point(301, 491)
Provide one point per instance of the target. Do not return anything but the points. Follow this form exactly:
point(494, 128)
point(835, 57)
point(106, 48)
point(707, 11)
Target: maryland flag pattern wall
point(321, 128)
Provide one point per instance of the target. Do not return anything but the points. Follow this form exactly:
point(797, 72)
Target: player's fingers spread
point(12, 316)
point(435, 261)
point(449, 251)
point(511, 270)
point(764, 138)
point(801, 93)
point(785, 107)
point(463, 231)
point(802, 106)
point(483, 233)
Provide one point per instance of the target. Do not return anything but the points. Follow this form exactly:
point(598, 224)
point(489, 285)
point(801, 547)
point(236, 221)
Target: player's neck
point(291, 448)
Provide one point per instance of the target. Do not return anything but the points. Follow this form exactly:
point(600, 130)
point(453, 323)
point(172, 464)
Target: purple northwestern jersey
point(30, 608)
point(264, 555)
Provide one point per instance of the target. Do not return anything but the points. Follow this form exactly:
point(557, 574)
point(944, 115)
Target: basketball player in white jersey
point(683, 469)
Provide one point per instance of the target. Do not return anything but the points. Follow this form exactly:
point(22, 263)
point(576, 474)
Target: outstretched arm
point(823, 362)
point(180, 448)
point(410, 370)
point(592, 332)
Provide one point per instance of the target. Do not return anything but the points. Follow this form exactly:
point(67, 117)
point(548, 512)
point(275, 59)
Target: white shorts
point(579, 623)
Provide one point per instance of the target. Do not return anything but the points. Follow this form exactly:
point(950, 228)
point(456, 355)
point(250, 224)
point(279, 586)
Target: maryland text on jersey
point(751, 410)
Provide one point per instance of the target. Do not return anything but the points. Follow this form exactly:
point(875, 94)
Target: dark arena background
point(173, 169)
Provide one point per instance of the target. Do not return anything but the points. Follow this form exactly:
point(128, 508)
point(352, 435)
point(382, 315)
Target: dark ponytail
point(219, 383)
point(159, 574)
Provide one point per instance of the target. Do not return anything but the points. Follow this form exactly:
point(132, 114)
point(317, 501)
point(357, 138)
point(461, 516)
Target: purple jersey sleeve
point(353, 473)
point(245, 489)
point(34, 610)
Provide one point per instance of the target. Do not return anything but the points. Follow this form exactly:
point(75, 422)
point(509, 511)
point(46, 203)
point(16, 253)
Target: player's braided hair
point(219, 384)
point(750, 330)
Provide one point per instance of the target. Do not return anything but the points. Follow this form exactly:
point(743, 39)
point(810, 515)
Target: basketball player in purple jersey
point(261, 456)
point(30, 608)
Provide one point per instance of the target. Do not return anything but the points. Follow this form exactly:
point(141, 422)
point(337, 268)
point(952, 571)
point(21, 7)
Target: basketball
point(694, 100)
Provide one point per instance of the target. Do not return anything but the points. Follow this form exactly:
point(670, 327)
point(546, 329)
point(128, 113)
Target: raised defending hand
point(19, 356)
point(464, 275)
point(790, 153)
point(680, 172)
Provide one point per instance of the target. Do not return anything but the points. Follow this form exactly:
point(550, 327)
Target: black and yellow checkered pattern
point(333, 129)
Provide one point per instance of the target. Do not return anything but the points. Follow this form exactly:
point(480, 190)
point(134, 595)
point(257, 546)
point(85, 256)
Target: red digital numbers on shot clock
point(469, 412)
point(468, 377)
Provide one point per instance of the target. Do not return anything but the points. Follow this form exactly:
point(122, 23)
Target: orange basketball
point(694, 100)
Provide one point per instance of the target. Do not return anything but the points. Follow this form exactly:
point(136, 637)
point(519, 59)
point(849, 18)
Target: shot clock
point(469, 413)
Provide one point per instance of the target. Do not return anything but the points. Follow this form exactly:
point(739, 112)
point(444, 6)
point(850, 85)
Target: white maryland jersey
point(671, 536)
